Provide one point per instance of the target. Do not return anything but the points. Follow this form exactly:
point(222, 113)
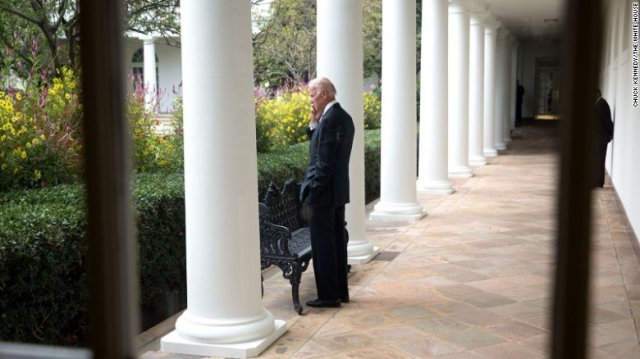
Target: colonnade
point(464, 117)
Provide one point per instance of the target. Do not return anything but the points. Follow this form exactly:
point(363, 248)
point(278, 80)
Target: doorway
point(547, 94)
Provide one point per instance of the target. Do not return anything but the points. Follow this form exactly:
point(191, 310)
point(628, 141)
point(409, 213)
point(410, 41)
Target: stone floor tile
point(625, 327)
point(451, 306)
point(487, 300)
point(478, 317)
point(541, 321)
point(509, 351)
point(426, 347)
point(625, 349)
point(539, 343)
point(599, 336)
point(376, 352)
point(515, 330)
point(344, 341)
point(470, 338)
point(286, 346)
point(599, 316)
point(396, 333)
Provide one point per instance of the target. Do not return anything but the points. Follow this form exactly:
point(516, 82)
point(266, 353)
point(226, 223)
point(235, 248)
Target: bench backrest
point(284, 205)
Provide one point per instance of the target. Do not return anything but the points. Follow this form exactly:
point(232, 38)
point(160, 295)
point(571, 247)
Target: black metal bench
point(285, 240)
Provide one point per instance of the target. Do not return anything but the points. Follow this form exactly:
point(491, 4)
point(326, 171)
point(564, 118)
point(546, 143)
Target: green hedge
point(279, 166)
point(43, 295)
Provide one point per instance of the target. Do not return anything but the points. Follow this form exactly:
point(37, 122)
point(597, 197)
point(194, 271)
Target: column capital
point(148, 40)
point(480, 17)
point(471, 6)
point(477, 7)
point(459, 6)
point(491, 23)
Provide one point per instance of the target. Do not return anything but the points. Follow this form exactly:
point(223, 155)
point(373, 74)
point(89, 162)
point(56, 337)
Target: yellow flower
point(38, 174)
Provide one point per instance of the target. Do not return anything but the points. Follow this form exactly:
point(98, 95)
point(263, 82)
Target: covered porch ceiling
point(530, 20)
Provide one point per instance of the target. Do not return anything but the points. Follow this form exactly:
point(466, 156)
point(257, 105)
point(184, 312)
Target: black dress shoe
point(322, 303)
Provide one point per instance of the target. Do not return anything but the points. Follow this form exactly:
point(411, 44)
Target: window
point(137, 68)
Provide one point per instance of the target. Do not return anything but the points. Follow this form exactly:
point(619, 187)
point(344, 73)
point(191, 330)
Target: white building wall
point(169, 69)
point(616, 84)
point(170, 76)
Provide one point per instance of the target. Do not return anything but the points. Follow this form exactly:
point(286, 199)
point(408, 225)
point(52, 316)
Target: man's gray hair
point(323, 84)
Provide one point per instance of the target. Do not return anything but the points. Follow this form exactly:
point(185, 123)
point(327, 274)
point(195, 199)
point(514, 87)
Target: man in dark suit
point(325, 191)
point(519, 98)
point(603, 134)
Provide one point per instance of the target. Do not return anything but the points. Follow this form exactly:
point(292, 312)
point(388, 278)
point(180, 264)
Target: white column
point(513, 57)
point(490, 32)
point(509, 89)
point(458, 90)
point(149, 73)
point(398, 196)
point(476, 89)
point(433, 158)
point(225, 315)
point(339, 34)
point(500, 91)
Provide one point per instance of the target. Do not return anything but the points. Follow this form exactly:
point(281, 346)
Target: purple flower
point(43, 98)
point(35, 46)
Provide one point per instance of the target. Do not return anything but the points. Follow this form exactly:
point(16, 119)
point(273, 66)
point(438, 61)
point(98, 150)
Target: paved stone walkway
point(473, 278)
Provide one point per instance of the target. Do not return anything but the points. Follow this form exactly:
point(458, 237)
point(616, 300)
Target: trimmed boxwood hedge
point(43, 282)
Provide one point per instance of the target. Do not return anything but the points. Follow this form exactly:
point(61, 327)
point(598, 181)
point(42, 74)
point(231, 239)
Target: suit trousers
point(600, 158)
point(329, 245)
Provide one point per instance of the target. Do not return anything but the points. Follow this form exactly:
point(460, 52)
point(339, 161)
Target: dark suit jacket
point(327, 179)
point(604, 125)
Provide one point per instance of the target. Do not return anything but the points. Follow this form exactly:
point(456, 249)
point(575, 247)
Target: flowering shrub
point(152, 151)
point(40, 142)
point(39, 133)
point(283, 120)
point(372, 108)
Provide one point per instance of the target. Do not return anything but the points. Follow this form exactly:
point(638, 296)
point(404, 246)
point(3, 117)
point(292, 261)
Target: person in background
point(325, 191)
point(603, 135)
point(519, 98)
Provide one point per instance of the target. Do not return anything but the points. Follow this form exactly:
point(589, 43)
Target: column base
point(490, 152)
point(360, 251)
point(501, 146)
point(174, 343)
point(460, 172)
point(477, 161)
point(435, 187)
point(397, 212)
point(364, 258)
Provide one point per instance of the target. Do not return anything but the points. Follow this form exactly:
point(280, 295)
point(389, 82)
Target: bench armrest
point(274, 239)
